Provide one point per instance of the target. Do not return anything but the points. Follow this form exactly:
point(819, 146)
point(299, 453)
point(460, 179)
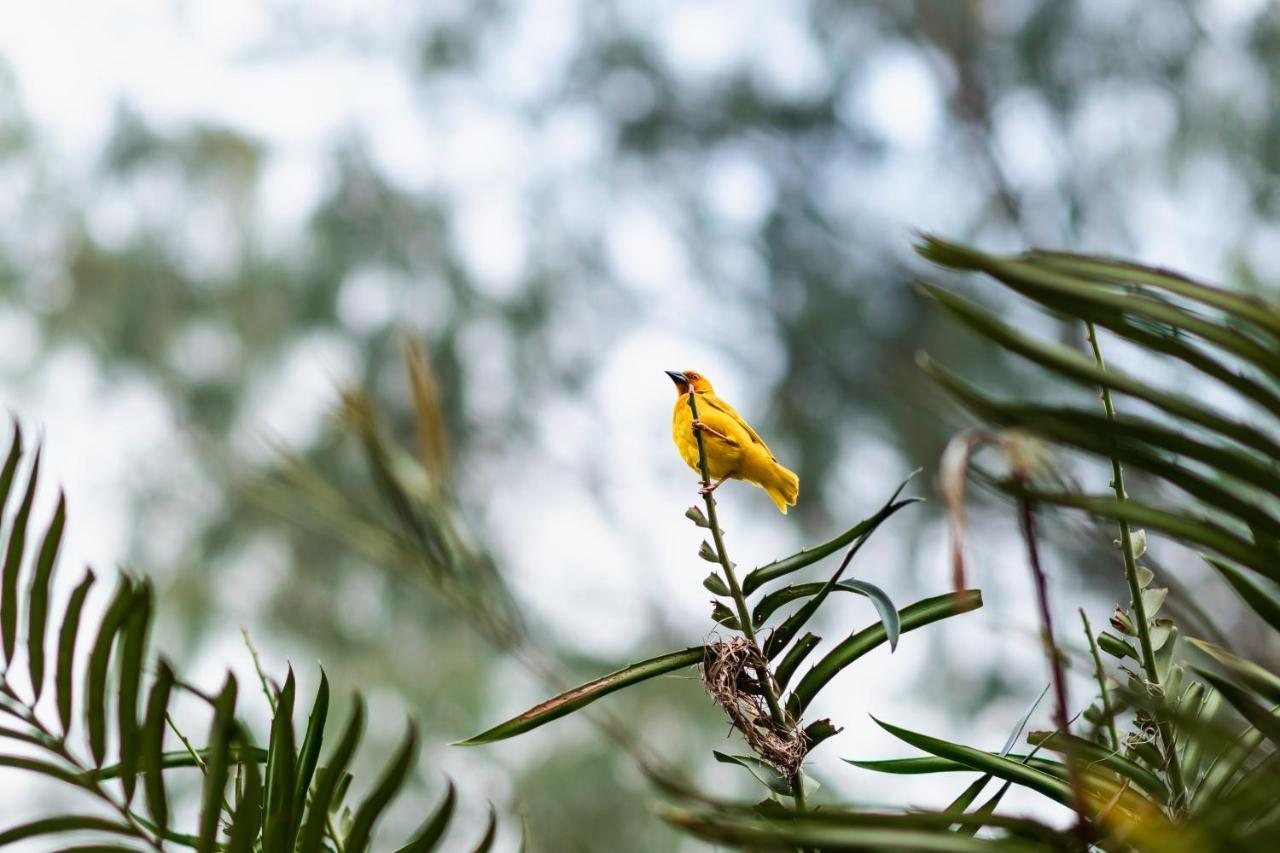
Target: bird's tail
point(782, 485)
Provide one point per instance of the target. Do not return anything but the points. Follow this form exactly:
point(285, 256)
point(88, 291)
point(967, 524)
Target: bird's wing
point(716, 403)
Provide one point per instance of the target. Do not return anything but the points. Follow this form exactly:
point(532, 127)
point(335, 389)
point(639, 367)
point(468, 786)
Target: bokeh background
point(218, 214)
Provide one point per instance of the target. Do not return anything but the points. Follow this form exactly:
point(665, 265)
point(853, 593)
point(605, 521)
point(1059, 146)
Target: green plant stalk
point(1101, 677)
point(735, 590)
point(1172, 763)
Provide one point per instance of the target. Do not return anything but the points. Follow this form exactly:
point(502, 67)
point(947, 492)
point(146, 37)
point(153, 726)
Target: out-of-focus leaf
point(95, 706)
point(490, 833)
point(1262, 681)
point(578, 697)
point(61, 825)
point(1074, 366)
point(764, 772)
point(1261, 594)
point(436, 826)
point(10, 467)
point(67, 646)
point(388, 786)
point(38, 597)
point(1153, 600)
point(13, 563)
point(1259, 717)
point(1096, 756)
point(1012, 739)
point(280, 782)
point(221, 734)
point(309, 755)
point(247, 817)
point(912, 616)
point(779, 568)
point(151, 751)
point(133, 649)
point(329, 780)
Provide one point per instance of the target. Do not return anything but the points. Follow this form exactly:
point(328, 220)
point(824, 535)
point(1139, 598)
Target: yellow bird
point(734, 450)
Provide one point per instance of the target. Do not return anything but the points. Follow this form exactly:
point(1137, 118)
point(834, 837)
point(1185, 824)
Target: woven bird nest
point(733, 673)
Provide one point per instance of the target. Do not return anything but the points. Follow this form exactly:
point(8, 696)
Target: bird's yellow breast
point(724, 457)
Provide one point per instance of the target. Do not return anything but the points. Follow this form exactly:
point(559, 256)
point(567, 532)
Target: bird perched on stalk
point(734, 450)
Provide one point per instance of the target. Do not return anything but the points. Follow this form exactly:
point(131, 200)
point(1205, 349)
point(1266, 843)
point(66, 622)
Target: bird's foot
point(699, 425)
point(707, 489)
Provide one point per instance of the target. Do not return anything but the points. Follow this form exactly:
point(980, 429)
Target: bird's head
point(690, 379)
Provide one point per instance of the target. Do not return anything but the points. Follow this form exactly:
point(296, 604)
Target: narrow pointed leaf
point(436, 826)
point(222, 732)
point(884, 605)
point(780, 568)
point(132, 653)
point(388, 786)
point(490, 833)
point(764, 772)
point(1074, 366)
point(10, 467)
point(95, 705)
point(1258, 716)
point(578, 697)
point(786, 667)
point(38, 596)
point(309, 755)
point(1261, 594)
point(247, 816)
point(152, 746)
point(280, 783)
point(67, 635)
point(61, 825)
point(987, 809)
point(1022, 723)
point(912, 616)
point(330, 777)
point(1099, 756)
point(13, 563)
point(1265, 683)
point(961, 803)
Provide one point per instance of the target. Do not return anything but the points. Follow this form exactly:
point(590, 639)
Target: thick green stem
point(1172, 764)
point(735, 590)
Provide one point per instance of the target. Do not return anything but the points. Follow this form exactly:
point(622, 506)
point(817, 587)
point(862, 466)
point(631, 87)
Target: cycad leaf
point(1262, 681)
point(436, 826)
point(13, 563)
point(63, 824)
point(222, 732)
point(779, 568)
point(329, 778)
point(490, 833)
point(764, 772)
point(883, 604)
point(309, 754)
point(1261, 594)
point(1258, 716)
point(282, 762)
point(786, 667)
point(95, 707)
point(248, 812)
point(152, 748)
point(132, 653)
point(1076, 367)
point(67, 635)
point(1098, 756)
point(10, 467)
point(912, 616)
point(985, 762)
point(578, 697)
point(38, 598)
point(388, 786)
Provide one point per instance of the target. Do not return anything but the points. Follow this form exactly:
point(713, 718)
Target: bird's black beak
point(678, 378)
